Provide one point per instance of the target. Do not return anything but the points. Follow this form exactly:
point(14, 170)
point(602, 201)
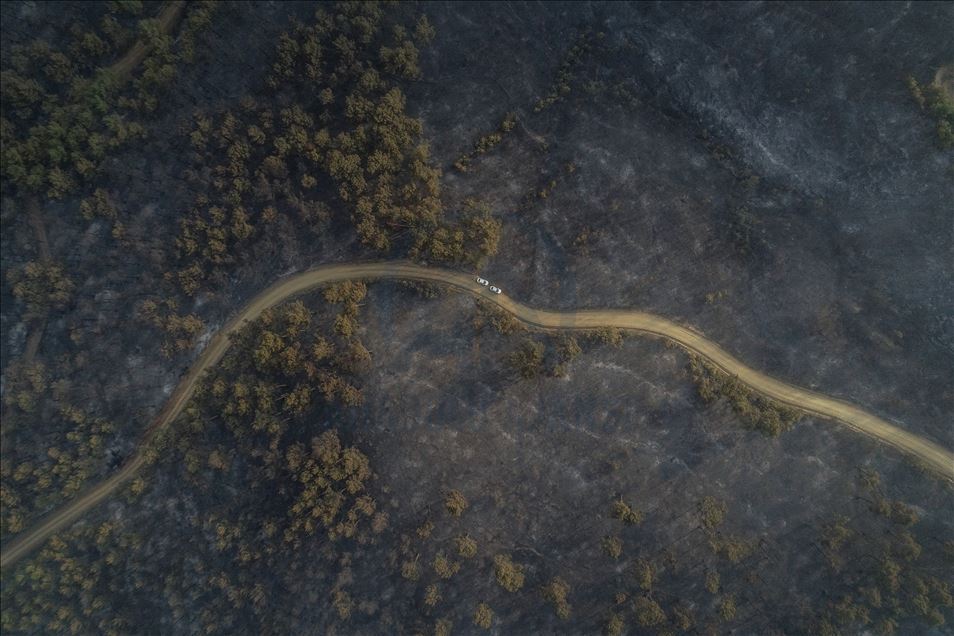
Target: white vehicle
point(495, 290)
point(482, 281)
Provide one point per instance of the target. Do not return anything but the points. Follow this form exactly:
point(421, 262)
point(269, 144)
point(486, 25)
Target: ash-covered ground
point(798, 114)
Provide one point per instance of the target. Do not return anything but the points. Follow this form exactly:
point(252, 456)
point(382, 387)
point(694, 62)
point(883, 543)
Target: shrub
point(682, 617)
point(936, 103)
point(425, 530)
point(645, 573)
point(612, 546)
point(556, 592)
point(342, 603)
point(607, 335)
point(411, 570)
point(503, 322)
point(455, 502)
point(444, 567)
point(527, 360)
point(466, 547)
point(568, 348)
point(41, 286)
point(711, 512)
point(509, 575)
point(442, 627)
point(627, 514)
point(757, 413)
point(727, 608)
point(483, 616)
point(732, 548)
point(648, 612)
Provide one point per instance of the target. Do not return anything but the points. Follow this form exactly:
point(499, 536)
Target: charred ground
point(760, 172)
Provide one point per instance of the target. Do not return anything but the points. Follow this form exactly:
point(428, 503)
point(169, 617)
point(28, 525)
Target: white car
point(495, 290)
point(482, 281)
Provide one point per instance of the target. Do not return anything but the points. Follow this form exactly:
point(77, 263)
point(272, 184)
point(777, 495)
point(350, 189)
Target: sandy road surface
point(929, 454)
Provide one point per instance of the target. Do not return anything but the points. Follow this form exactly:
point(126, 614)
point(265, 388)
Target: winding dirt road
point(167, 19)
point(927, 453)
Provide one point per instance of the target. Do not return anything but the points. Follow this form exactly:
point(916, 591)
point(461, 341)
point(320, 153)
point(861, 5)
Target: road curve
point(166, 20)
point(924, 451)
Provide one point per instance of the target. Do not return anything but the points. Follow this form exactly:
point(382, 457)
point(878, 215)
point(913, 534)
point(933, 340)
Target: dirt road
point(167, 19)
point(927, 453)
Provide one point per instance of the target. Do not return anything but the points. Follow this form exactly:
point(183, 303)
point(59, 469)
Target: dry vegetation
point(939, 105)
point(756, 412)
point(487, 142)
point(271, 502)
